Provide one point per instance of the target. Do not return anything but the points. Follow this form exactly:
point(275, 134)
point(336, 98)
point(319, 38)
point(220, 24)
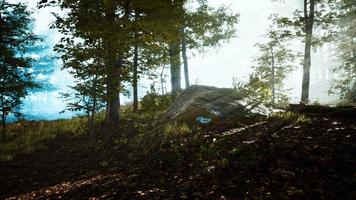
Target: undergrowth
point(263, 159)
point(26, 137)
point(290, 117)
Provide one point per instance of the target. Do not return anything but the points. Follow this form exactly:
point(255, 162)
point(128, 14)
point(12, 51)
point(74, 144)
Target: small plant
point(289, 117)
point(177, 129)
point(154, 102)
point(256, 90)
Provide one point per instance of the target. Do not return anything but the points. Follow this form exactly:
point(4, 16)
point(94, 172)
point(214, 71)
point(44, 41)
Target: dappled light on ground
point(285, 156)
point(59, 191)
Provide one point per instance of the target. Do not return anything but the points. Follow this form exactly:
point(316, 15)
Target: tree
point(148, 52)
point(43, 65)
point(275, 62)
point(15, 37)
point(345, 85)
point(146, 58)
point(205, 27)
point(311, 25)
point(195, 29)
point(123, 28)
point(136, 36)
point(84, 61)
point(309, 16)
point(105, 22)
point(176, 11)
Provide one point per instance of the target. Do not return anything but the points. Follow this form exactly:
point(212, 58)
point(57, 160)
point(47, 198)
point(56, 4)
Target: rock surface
point(222, 105)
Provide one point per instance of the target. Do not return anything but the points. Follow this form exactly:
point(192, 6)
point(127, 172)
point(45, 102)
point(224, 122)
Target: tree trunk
point(273, 79)
point(114, 95)
point(353, 49)
point(114, 107)
point(114, 115)
point(162, 80)
point(115, 59)
point(135, 80)
point(113, 65)
point(3, 120)
point(177, 13)
point(308, 22)
point(113, 92)
point(91, 123)
point(185, 58)
point(353, 87)
point(93, 110)
point(174, 54)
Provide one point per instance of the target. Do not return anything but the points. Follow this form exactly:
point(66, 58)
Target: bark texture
point(308, 23)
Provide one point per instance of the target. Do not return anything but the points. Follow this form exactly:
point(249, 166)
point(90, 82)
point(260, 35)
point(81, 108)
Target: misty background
point(215, 67)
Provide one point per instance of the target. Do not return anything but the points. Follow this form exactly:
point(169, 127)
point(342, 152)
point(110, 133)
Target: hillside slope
point(286, 156)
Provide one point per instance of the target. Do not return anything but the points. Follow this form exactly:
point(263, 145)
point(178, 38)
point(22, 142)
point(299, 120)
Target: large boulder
point(222, 105)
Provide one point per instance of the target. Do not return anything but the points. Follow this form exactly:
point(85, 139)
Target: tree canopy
point(15, 37)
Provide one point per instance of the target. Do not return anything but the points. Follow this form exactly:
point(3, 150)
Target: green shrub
point(154, 102)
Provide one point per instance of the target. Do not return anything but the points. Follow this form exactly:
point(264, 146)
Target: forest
point(141, 127)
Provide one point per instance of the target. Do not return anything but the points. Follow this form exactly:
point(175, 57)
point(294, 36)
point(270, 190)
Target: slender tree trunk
point(93, 110)
point(353, 50)
point(91, 125)
point(273, 79)
point(177, 13)
point(3, 120)
point(309, 22)
point(174, 54)
point(162, 80)
point(185, 58)
point(353, 87)
point(88, 122)
point(135, 80)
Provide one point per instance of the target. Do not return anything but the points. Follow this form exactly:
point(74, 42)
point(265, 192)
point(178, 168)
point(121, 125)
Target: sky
point(216, 67)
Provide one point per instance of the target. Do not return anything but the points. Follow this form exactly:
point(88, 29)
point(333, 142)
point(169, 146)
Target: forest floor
point(286, 156)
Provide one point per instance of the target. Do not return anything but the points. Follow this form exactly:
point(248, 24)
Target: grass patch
point(27, 137)
point(269, 160)
point(289, 117)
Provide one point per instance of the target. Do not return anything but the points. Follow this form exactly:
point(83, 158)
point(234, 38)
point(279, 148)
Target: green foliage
point(144, 37)
point(290, 117)
point(15, 36)
point(312, 26)
point(85, 64)
point(177, 129)
point(207, 27)
point(256, 90)
point(273, 65)
point(323, 19)
point(345, 84)
point(271, 68)
point(154, 102)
